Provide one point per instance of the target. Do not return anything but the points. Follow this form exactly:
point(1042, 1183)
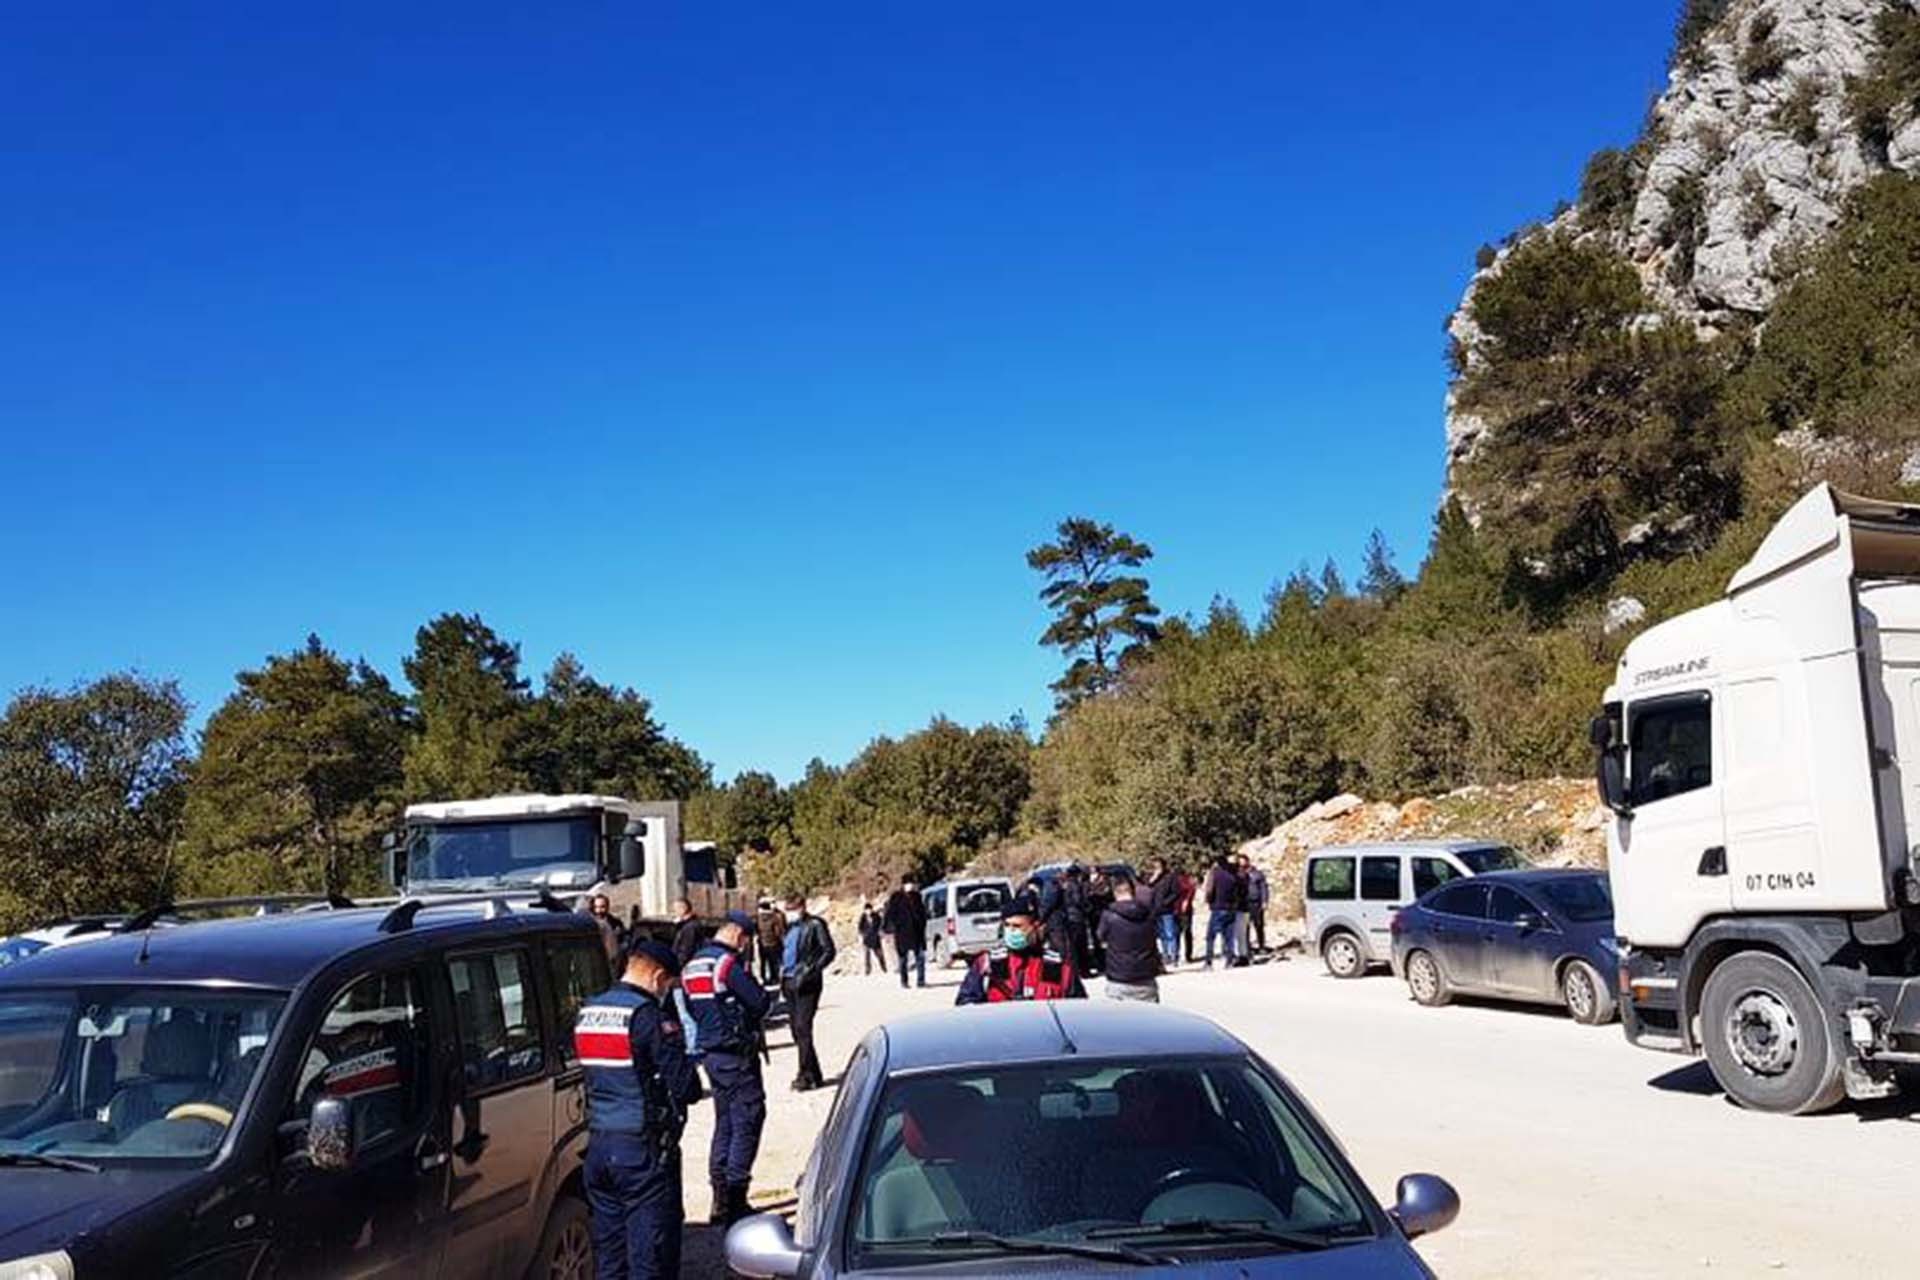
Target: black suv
point(331, 1091)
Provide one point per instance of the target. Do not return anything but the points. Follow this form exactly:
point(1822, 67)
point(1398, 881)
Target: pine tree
point(1100, 613)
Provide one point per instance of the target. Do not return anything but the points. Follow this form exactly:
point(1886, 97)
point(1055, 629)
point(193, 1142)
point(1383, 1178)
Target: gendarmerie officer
point(639, 1086)
point(729, 1005)
point(1023, 966)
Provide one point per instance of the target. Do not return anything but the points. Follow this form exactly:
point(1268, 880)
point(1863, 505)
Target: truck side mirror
point(394, 853)
point(633, 849)
point(1613, 781)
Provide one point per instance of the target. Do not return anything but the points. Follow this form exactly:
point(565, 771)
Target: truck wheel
point(1341, 951)
point(566, 1246)
point(1768, 1040)
point(1585, 994)
point(1424, 979)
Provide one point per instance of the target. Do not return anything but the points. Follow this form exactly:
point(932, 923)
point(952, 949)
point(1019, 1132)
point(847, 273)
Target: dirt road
point(1575, 1154)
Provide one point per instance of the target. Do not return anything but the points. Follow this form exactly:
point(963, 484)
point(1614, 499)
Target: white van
point(1353, 890)
point(963, 916)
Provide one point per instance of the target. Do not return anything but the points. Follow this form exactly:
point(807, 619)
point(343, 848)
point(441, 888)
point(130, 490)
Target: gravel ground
point(1575, 1154)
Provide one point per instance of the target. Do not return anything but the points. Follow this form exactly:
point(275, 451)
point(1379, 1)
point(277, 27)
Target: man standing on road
point(639, 1084)
point(870, 931)
point(773, 934)
point(808, 950)
point(906, 919)
point(1224, 896)
point(1183, 914)
point(686, 931)
point(1256, 901)
point(1022, 967)
point(1126, 932)
point(1161, 892)
point(729, 1007)
point(613, 934)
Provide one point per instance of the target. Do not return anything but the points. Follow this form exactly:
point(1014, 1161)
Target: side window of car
point(1430, 873)
point(1330, 878)
point(1671, 747)
point(578, 970)
point(1380, 879)
point(493, 1008)
point(1464, 899)
point(372, 1050)
point(1507, 906)
point(836, 1145)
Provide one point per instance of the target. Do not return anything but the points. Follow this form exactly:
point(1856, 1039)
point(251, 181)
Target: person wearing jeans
point(1126, 930)
point(1223, 897)
point(1161, 892)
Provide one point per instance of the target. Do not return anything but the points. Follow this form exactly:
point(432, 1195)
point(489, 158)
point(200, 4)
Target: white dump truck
point(569, 846)
point(1761, 757)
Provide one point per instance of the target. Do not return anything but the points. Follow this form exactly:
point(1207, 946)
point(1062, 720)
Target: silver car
point(1076, 1137)
point(1353, 890)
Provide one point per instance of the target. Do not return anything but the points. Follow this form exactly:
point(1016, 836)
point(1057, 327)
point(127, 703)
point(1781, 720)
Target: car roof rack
point(400, 918)
point(265, 904)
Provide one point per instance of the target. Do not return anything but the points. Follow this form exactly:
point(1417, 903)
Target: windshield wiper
point(1026, 1244)
point(41, 1159)
point(1223, 1228)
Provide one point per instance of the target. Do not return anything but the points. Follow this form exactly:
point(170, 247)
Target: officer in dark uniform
point(728, 1006)
point(639, 1086)
point(1023, 966)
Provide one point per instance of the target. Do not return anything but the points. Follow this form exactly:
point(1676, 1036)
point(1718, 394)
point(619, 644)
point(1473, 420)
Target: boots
point(722, 1215)
point(738, 1205)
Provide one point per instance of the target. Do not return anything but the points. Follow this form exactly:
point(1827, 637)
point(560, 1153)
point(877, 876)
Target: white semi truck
point(569, 846)
point(1761, 757)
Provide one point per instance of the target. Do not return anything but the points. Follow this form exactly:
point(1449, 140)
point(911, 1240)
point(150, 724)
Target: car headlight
point(41, 1266)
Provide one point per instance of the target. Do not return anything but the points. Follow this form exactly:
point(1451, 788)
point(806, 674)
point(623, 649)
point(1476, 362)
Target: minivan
point(1353, 890)
point(385, 1091)
point(963, 916)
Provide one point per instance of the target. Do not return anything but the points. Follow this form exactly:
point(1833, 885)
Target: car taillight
point(953, 926)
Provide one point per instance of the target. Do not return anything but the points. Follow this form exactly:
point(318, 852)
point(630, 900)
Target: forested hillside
point(1726, 310)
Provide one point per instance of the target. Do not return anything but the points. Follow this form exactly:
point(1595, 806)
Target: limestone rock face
point(1749, 155)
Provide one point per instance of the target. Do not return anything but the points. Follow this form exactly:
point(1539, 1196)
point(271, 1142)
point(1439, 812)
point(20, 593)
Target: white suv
point(1353, 890)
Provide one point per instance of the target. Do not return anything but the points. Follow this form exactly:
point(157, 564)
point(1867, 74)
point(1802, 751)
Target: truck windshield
point(1493, 857)
point(121, 1074)
point(557, 851)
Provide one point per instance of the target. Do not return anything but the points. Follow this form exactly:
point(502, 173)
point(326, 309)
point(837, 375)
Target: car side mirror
point(633, 850)
point(330, 1135)
point(1423, 1204)
point(763, 1246)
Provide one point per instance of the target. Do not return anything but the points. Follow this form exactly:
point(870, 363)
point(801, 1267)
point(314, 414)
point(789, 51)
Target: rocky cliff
point(1746, 159)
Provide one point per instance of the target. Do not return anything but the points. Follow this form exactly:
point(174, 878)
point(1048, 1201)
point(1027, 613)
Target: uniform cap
point(658, 952)
point(740, 918)
point(1018, 905)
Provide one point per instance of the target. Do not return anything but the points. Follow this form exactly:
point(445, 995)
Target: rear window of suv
point(1330, 878)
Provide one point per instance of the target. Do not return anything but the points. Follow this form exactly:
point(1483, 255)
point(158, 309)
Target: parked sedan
point(1543, 936)
point(1079, 1138)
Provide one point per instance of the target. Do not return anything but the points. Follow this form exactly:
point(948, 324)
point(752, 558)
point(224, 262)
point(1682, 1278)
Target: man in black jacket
point(1132, 946)
point(686, 931)
point(803, 976)
point(906, 919)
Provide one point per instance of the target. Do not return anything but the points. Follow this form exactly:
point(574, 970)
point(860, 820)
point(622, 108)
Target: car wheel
point(566, 1246)
point(1425, 981)
point(1585, 994)
point(1342, 953)
point(1770, 1044)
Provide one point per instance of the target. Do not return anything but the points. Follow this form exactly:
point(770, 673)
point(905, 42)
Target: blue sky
point(741, 349)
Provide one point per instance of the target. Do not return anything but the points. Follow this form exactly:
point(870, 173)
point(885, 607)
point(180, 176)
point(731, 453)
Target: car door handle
point(432, 1160)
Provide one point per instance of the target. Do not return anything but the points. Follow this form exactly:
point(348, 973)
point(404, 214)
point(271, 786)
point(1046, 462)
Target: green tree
point(1099, 612)
point(469, 695)
point(581, 735)
point(1380, 579)
point(298, 778)
point(91, 786)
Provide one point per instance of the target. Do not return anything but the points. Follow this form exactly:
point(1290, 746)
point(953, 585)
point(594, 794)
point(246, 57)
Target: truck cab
point(1751, 752)
point(568, 846)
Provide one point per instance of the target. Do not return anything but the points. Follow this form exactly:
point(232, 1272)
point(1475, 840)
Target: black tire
point(1344, 956)
point(1584, 992)
point(1427, 980)
point(566, 1246)
point(1769, 1042)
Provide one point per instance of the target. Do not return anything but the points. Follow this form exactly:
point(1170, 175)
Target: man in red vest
point(1022, 967)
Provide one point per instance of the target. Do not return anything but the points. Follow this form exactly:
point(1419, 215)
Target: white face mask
point(793, 917)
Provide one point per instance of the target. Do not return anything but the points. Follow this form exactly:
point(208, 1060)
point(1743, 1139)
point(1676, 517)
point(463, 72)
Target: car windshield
point(14, 950)
point(1078, 1152)
point(1493, 857)
point(1581, 899)
point(553, 851)
point(107, 1074)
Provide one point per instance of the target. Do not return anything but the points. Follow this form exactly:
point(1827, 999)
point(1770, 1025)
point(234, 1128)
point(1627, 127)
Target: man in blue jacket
point(729, 1006)
point(639, 1086)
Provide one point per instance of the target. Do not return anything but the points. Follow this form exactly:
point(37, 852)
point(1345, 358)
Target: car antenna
point(1066, 1037)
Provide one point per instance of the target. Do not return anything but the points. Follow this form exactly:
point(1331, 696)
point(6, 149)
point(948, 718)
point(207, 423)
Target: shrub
point(1756, 206)
point(1763, 57)
point(1607, 187)
point(1798, 114)
point(1685, 226)
point(1892, 83)
point(1697, 18)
